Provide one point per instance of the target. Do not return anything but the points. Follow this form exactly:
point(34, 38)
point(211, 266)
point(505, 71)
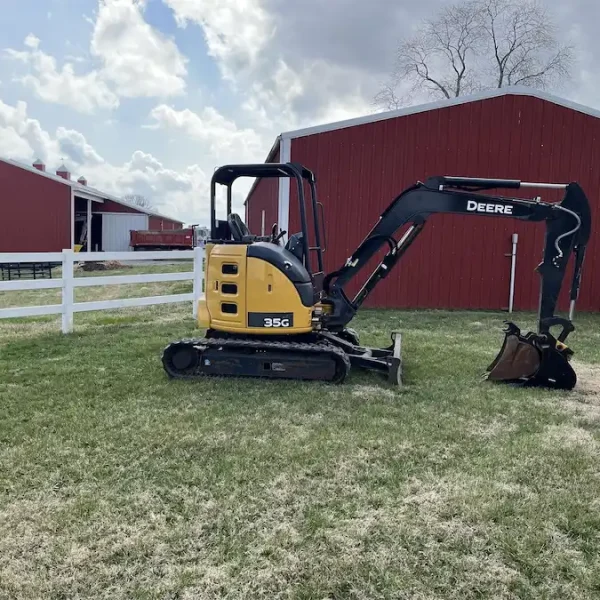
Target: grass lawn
point(117, 483)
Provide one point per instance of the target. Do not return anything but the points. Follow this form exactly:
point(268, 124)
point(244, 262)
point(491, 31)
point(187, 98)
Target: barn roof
point(84, 191)
point(282, 141)
point(392, 114)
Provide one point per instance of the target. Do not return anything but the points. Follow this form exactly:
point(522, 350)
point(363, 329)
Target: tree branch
point(477, 45)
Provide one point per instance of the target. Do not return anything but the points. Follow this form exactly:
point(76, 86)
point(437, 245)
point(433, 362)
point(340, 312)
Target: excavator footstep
point(532, 360)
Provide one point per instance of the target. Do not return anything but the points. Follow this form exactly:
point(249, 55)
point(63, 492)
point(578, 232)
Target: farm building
point(362, 164)
point(48, 212)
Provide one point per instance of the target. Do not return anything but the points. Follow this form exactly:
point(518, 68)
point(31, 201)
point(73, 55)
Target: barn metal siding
point(116, 230)
point(457, 261)
point(160, 224)
point(35, 212)
point(157, 223)
point(264, 196)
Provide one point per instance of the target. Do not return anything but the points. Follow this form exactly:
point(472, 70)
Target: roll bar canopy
point(228, 174)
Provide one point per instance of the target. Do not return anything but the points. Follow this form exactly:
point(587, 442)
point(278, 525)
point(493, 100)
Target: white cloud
point(179, 194)
point(84, 93)
point(280, 89)
point(21, 137)
point(225, 142)
point(73, 144)
point(31, 41)
point(137, 58)
point(11, 143)
point(285, 98)
point(236, 31)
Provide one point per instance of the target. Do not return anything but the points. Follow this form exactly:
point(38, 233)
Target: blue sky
point(149, 96)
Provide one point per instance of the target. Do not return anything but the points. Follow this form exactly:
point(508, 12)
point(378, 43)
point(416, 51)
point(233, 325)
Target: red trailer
point(168, 239)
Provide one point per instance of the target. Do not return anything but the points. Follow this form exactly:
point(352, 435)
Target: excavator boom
point(568, 226)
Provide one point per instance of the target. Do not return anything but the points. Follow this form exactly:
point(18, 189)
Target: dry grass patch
point(588, 376)
point(373, 392)
point(567, 435)
point(489, 428)
point(584, 403)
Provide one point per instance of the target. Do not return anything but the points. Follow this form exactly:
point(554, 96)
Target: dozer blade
point(532, 360)
point(385, 361)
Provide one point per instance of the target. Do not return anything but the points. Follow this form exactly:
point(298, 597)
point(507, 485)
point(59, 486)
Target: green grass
point(117, 483)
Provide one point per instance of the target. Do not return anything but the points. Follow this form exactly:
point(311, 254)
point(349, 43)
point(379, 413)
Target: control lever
point(274, 236)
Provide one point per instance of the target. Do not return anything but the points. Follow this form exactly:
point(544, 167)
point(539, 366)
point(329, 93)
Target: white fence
point(68, 282)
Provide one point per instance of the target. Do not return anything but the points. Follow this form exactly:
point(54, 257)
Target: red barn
point(362, 164)
point(48, 212)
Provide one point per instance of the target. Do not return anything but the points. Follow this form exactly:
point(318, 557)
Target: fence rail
point(68, 282)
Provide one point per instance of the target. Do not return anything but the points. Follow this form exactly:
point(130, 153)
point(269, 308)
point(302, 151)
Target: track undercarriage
point(322, 356)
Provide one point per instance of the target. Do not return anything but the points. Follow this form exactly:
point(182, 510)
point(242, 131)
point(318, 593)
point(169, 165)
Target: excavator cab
point(258, 283)
point(234, 229)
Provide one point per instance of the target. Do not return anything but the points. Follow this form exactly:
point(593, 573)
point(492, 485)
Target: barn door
point(116, 227)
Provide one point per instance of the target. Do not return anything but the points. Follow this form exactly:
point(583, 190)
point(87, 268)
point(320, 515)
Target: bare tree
point(523, 39)
point(478, 44)
point(138, 199)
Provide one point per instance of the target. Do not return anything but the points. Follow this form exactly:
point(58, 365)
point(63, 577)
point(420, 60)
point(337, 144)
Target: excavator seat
point(294, 245)
point(311, 286)
point(240, 232)
point(238, 228)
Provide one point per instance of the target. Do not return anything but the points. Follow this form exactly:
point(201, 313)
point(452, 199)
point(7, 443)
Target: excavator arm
point(567, 230)
point(531, 359)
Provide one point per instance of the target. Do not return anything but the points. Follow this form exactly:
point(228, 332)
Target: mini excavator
point(271, 311)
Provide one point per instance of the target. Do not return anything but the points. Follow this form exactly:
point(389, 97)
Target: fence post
point(198, 277)
point(67, 290)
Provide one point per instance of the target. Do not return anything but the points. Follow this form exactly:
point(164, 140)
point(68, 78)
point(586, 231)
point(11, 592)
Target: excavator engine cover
point(532, 360)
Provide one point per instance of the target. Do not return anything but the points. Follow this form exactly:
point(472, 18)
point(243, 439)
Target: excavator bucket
point(532, 360)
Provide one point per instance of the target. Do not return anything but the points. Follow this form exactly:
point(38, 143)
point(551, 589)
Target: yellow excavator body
point(249, 295)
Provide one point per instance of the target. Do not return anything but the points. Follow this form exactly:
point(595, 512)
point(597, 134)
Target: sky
point(150, 96)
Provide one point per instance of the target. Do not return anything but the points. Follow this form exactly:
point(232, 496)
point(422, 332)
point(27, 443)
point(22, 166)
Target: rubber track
point(343, 362)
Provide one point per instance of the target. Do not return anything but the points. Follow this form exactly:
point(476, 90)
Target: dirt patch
point(588, 379)
point(108, 265)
